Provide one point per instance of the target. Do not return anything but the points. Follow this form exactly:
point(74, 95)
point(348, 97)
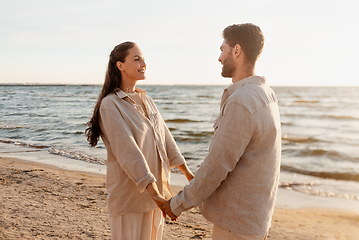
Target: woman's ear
point(119, 65)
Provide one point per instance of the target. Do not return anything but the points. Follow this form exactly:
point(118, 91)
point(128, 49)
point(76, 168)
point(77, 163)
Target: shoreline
point(44, 201)
point(287, 198)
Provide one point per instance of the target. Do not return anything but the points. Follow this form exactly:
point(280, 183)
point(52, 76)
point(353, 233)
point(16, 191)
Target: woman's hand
point(161, 202)
point(157, 197)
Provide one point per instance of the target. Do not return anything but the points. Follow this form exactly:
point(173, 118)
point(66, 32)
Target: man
point(236, 184)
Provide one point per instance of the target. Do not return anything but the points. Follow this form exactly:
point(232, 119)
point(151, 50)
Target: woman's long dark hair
point(112, 81)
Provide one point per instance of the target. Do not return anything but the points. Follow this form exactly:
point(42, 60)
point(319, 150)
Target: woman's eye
point(139, 59)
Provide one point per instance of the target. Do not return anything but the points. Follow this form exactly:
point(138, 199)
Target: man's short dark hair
point(248, 36)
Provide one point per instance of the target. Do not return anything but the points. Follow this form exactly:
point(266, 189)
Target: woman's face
point(134, 67)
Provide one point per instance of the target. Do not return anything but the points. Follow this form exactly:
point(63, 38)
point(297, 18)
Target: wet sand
point(39, 201)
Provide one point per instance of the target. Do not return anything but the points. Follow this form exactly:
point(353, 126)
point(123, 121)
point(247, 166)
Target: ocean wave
point(313, 188)
point(348, 176)
point(331, 154)
point(11, 127)
point(179, 120)
point(162, 98)
point(306, 101)
point(299, 139)
point(192, 136)
point(80, 117)
point(19, 143)
point(205, 96)
point(321, 117)
point(51, 95)
point(14, 114)
point(287, 124)
point(73, 132)
point(8, 92)
point(77, 155)
point(190, 139)
point(41, 130)
point(34, 114)
point(340, 117)
point(199, 134)
point(6, 141)
point(184, 103)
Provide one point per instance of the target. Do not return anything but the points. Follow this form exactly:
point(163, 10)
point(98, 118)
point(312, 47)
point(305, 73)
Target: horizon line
point(81, 84)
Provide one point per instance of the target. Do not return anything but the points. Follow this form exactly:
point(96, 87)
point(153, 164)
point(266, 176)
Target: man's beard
point(228, 67)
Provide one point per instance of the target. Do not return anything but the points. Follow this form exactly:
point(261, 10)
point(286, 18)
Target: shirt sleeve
point(174, 155)
point(124, 146)
point(232, 136)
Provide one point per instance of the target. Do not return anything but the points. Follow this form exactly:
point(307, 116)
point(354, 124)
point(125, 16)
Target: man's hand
point(167, 209)
point(160, 201)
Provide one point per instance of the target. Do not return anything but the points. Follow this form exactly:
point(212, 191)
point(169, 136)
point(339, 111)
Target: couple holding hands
point(236, 184)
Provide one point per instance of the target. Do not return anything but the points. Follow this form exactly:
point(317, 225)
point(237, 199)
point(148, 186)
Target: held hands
point(162, 203)
point(165, 207)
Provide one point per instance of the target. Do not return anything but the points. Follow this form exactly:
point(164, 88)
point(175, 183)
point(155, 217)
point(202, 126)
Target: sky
point(307, 43)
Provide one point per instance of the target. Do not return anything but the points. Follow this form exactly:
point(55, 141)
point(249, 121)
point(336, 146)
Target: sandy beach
point(40, 201)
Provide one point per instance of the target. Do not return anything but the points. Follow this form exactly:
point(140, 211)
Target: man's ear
point(237, 50)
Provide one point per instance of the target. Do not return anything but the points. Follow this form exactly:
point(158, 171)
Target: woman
point(140, 148)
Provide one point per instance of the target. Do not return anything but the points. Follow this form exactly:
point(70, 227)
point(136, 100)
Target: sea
point(320, 130)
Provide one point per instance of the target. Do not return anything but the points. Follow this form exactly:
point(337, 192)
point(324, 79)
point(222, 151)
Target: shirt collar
point(232, 88)
point(251, 80)
point(122, 94)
